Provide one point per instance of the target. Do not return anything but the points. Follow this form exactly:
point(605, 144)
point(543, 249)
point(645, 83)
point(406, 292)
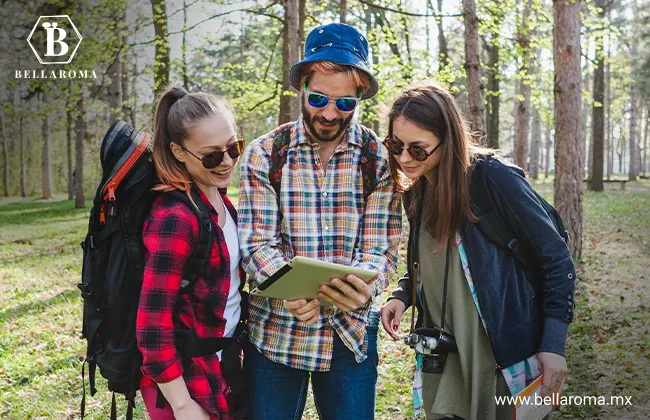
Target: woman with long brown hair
point(488, 325)
point(179, 320)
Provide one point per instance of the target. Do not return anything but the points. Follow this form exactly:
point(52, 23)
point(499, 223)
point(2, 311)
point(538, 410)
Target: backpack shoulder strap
point(281, 140)
point(198, 260)
point(490, 222)
point(369, 161)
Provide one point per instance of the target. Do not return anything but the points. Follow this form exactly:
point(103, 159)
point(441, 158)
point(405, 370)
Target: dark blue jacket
point(521, 319)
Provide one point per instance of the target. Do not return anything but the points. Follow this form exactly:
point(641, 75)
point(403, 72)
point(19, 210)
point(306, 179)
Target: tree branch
point(268, 66)
point(187, 6)
point(246, 10)
point(108, 68)
point(270, 98)
point(388, 9)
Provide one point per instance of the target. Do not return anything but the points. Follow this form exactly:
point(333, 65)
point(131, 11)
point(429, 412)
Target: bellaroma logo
point(54, 40)
point(57, 29)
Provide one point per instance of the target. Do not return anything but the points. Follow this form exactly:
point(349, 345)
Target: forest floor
point(40, 314)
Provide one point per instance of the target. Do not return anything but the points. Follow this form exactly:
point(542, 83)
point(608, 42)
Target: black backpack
point(492, 225)
point(113, 265)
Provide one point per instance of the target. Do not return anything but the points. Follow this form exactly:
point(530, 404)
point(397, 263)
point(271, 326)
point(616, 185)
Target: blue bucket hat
point(338, 43)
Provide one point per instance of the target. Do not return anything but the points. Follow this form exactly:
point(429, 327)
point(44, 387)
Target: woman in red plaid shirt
point(195, 151)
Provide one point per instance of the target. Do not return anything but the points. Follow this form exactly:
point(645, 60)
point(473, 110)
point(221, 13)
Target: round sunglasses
point(418, 153)
point(214, 159)
point(343, 104)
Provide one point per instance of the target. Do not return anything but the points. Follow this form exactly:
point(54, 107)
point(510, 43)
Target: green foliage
point(242, 61)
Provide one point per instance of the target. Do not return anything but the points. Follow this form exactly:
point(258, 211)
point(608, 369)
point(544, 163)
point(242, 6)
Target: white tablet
point(301, 278)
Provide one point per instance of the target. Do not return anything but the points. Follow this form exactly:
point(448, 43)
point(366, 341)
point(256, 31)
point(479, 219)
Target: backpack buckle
point(513, 245)
point(85, 290)
point(243, 334)
point(88, 242)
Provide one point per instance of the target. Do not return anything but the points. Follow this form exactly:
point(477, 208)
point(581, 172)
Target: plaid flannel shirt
point(170, 235)
point(321, 214)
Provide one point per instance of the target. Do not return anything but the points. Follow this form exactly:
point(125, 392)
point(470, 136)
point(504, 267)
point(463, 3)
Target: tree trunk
point(645, 140)
point(407, 38)
point(515, 128)
point(427, 31)
point(302, 14)
point(343, 11)
point(568, 100)
point(541, 147)
point(133, 93)
point(186, 82)
point(609, 148)
point(5, 153)
point(494, 97)
point(31, 132)
point(633, 108)
point(473, 70)
point(162, 61)
point(620, 151)
point(523, 110)
point(443, 52)
point(23, 160)
point(68, 127)
point(597, 151)
point(371, 118)
point(46, 163)
point(115, 88)
point(126, 93)
point(639, 151)
point(80, 130)
point(586, 105)
point(547, 155)
point(535, 139)
point(289, 103)
point(523, 120)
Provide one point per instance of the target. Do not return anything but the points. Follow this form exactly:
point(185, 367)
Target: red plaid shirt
point(170, 234)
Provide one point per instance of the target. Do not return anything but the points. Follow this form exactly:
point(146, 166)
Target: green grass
point(40, 312)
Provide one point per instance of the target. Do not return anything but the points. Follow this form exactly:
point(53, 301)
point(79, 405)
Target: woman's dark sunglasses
point(344, 104)
point(418, 153)
point(214, 159)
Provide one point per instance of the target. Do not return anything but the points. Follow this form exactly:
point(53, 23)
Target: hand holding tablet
point(348, 294)
point(304, 279)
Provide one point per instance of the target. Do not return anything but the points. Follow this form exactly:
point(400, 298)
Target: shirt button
point(325, 194)
point(326, 228)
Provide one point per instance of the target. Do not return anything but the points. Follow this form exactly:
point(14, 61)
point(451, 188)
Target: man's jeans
point(347, 391)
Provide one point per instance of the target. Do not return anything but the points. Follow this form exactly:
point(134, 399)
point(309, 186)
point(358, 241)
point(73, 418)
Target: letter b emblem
point(54, 39)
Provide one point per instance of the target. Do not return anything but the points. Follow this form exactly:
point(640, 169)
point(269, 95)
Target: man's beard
point(310, 120)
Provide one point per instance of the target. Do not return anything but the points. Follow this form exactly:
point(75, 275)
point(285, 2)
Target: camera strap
point(444, 292)
point(416, 273)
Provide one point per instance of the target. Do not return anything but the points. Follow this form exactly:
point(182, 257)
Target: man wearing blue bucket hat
point(319, 187)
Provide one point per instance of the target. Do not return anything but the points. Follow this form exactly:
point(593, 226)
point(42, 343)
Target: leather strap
point(416, 272)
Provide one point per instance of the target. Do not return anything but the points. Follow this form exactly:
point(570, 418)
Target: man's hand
point(352, 293)
point(554, 368)
point(307, 312)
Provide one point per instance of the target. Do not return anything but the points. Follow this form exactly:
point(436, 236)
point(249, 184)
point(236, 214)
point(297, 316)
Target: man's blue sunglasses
point(343, 104)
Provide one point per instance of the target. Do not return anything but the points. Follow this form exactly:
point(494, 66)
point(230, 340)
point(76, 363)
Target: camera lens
point(429, 343)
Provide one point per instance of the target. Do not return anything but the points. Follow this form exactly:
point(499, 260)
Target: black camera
point(432, 344)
